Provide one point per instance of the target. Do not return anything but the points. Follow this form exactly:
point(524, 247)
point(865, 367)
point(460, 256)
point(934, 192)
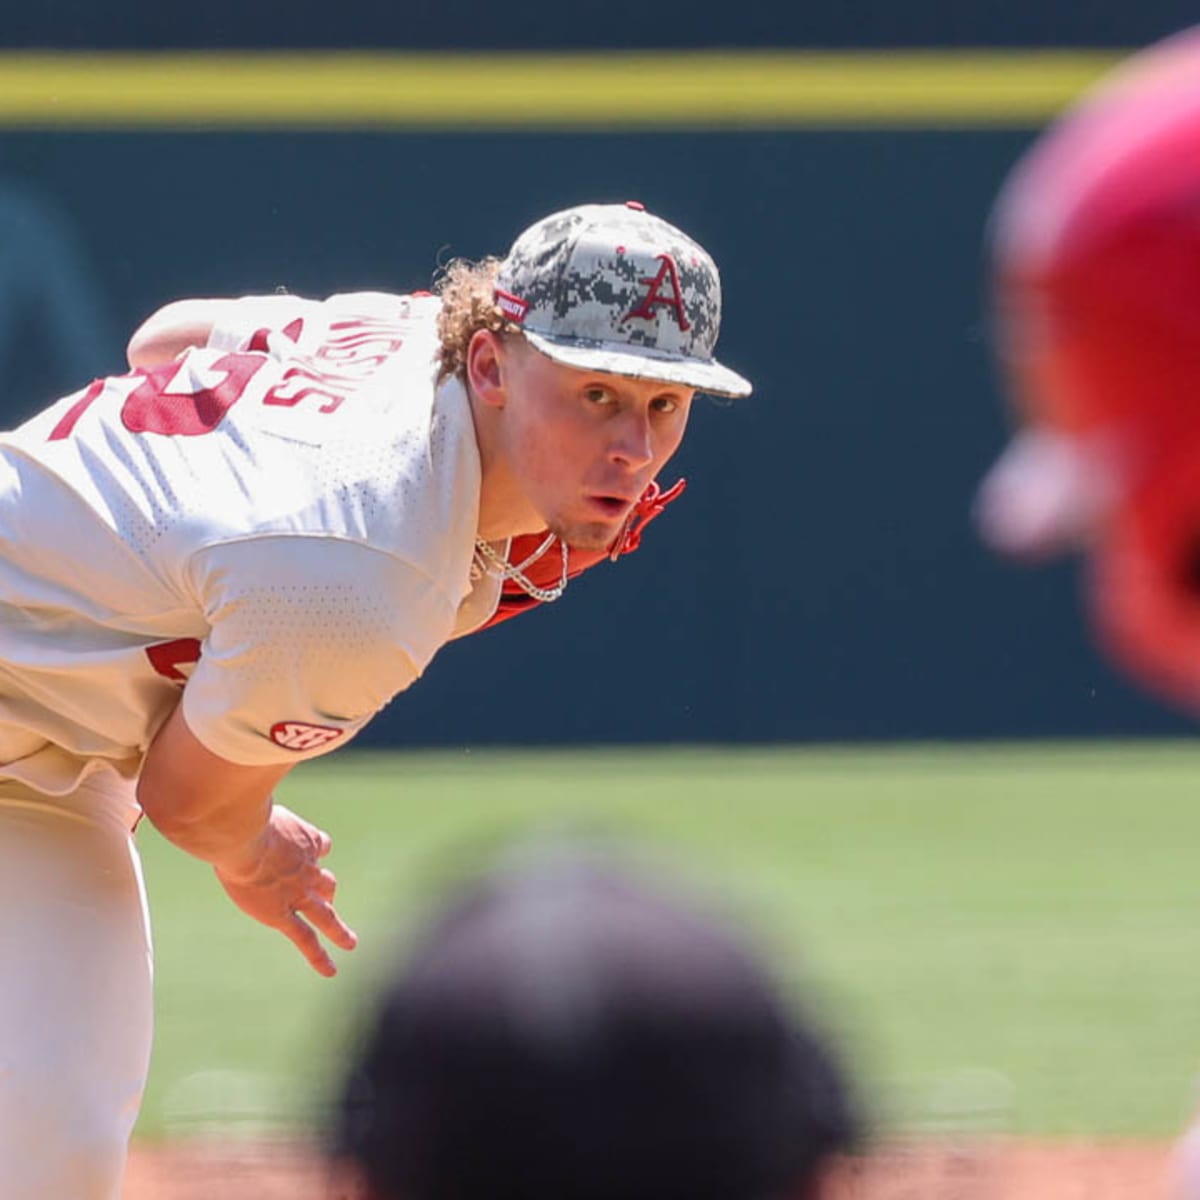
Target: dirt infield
point(999, 1170)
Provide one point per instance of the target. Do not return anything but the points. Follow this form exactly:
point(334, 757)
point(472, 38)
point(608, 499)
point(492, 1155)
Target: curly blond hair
point(467, 290)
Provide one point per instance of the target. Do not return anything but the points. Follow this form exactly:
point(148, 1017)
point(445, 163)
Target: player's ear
point(486, 367)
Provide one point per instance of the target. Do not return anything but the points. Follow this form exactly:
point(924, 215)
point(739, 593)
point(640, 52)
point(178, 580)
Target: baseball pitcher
point(228, 559)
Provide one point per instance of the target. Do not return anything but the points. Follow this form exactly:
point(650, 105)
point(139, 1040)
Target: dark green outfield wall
point(543, 24)
point(820, 579)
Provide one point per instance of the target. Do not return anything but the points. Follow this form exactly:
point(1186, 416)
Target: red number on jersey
point(154, 407)
point(67, 421)
point(169, 659)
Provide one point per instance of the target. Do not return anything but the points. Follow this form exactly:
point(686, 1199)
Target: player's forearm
point(211, 808)
point(171, 330)
point(220, 829)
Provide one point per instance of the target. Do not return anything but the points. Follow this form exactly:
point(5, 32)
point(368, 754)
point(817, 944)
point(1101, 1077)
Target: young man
point(227, 560)
point(1097, 280)
point(564, 1030)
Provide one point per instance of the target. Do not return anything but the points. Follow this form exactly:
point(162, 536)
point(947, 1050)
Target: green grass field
point(1006, 938)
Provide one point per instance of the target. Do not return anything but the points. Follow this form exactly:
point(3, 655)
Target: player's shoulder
point(365, 323)
point(285, 324)
point(399, 305)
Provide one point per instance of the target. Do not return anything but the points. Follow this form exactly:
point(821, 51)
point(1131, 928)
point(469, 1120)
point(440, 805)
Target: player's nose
point(632, 445)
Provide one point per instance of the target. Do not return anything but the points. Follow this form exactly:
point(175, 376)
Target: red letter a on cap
point(674, 301)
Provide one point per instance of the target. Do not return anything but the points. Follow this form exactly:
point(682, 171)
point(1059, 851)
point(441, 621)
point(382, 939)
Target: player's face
point(583, 445)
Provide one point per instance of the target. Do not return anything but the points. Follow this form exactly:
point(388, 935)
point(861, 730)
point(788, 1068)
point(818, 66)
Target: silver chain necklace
point(495, 565)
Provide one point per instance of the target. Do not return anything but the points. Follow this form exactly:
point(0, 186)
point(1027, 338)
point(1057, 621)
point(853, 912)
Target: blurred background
point(820, 581)
point(979, 913)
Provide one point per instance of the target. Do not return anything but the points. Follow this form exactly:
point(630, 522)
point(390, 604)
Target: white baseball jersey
point(281, 523)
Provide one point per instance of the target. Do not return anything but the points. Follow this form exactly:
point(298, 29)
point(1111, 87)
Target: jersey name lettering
point(187, 399)
point(300, 384)
point(360, 345)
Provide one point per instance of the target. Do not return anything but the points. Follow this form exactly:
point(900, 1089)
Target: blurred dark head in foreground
point(566, 1031)
point(1095, 277)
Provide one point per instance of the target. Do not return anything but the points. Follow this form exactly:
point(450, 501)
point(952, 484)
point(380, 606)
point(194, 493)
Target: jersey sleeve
point(257, 322)
point(309, 637)
point(280, 324)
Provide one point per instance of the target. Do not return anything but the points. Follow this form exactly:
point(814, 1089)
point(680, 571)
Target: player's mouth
point(614, 508)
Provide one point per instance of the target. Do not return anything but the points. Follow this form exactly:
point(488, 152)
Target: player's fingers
point(324, 842)
point(306, 941)
point(324, 917)
point(325, 885)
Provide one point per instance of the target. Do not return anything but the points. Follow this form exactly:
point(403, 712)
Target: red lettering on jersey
point(298, 384)
point(153, 408)
point(378, 324)
point(169, 659)
point(674, 301)
point(361, 345)
point(162, 403)
point(297, 735)
point(67, 421)
point(350, 354)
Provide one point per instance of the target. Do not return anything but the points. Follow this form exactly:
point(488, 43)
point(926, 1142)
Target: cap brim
point(704, 376)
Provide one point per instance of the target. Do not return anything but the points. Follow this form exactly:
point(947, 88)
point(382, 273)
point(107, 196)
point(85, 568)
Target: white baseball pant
point(75, 989)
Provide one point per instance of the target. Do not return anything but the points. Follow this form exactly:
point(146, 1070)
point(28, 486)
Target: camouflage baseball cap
point(609, 287)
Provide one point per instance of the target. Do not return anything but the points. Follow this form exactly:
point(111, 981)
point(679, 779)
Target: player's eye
point(664, 404)
point(598, 395)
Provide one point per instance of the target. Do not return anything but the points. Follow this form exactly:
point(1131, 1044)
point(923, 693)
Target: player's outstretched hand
point(282, 884)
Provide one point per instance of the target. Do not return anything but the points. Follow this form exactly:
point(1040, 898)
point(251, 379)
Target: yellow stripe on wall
point(563, 91)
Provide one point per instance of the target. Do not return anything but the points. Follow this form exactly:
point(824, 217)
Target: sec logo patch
point(296, 735)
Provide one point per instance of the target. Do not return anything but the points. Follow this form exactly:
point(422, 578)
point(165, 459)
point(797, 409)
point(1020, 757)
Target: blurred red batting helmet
point(1096, 278)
